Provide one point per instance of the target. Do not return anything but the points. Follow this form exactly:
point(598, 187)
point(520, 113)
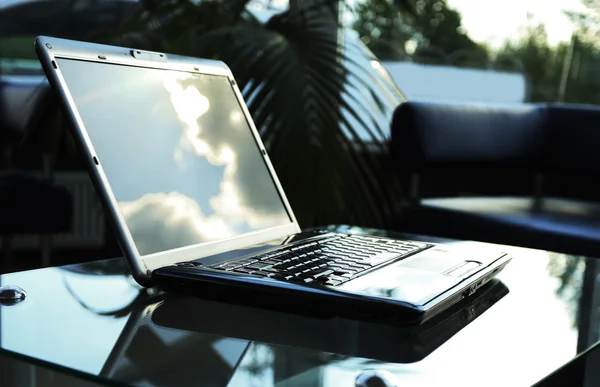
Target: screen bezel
point(51, 49)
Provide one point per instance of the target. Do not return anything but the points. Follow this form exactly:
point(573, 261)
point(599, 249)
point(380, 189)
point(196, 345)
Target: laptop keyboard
point(330, 261)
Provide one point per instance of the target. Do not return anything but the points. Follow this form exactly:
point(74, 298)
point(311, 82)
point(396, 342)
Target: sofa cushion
point(562, 225)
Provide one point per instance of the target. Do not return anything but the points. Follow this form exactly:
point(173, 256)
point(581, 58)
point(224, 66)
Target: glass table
point(91, 323)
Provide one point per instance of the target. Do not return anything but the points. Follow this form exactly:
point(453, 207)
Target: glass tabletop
point(93, 320)
point(19, 372)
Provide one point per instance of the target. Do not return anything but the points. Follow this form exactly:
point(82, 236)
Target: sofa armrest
point(572, 140)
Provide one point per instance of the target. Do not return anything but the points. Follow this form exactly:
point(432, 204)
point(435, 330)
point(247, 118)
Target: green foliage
point(430, 25)
point(587, 23)
point(584, 71)
point(17, 47)
point(570, 272)
point(566, 72)
point(533, 56)
point(583, 81)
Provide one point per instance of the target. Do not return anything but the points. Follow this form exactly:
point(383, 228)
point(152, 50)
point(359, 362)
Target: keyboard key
point(304, 274)
point(229, 267)
point(244, 270)
point(358, 266)
point(270, 262)
point(352, 260)
point(328, 240)
point(345, 271)
point(380, 258)
point(274, 270)
point(335, 256)
point(259, 266)
point(323, 273)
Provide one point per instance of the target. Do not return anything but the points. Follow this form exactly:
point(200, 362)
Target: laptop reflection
point(168, 334)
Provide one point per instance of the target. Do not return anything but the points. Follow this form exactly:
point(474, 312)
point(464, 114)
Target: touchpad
point(442, 261)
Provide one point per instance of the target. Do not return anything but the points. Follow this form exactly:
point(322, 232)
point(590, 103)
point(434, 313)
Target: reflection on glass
point(209, 359)
point(177, 152)
point(257, 367)
point(568, 269)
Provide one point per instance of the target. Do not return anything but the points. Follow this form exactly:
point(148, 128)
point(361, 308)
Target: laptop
point(197, 207)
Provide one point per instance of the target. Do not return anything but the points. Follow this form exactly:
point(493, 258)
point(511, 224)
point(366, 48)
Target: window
point(488, 51)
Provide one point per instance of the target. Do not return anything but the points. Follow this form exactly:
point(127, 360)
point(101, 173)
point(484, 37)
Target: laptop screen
point(177, 151)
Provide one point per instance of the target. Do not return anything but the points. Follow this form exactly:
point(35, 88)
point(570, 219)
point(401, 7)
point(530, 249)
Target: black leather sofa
point(525, 175)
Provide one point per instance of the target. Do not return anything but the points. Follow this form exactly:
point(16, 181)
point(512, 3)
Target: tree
point(432, 29)
point(584, 77)
point(566, 72)
point(532, 55)
point(587, 23)
point(383, 27)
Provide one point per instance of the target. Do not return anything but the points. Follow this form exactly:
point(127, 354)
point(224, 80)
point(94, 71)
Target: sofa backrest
point(456, 149)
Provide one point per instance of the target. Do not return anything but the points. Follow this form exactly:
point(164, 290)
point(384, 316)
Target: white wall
point(430, 82)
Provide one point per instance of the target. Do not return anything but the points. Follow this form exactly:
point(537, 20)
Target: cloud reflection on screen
point(178, 153)
point(177, 214)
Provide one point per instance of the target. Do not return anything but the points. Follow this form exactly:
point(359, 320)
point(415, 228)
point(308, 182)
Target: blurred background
point(321, 79)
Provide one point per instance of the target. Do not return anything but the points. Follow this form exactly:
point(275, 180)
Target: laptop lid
point(172, 151)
